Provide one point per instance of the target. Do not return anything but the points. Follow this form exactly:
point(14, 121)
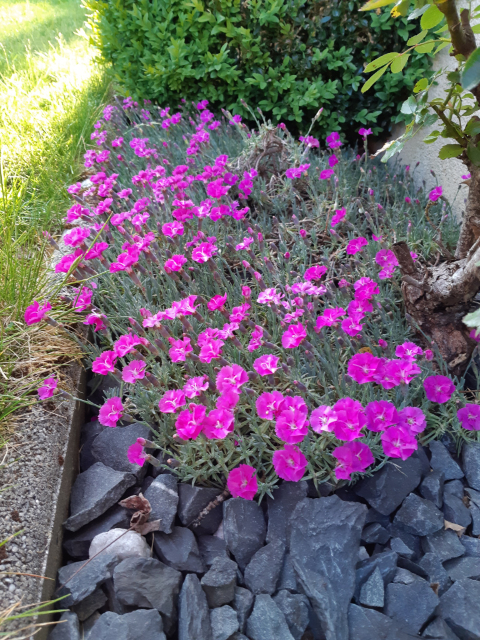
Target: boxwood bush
point(287, 57)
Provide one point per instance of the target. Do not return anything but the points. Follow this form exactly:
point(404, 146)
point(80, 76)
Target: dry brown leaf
point(455, 527)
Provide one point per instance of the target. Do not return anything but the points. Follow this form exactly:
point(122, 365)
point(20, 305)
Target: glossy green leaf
point(371, 81)
point(427, 47)
point(450, 151)
point(421, 85)
point(398, 64)
point(473, 154)
point(473, 128)
point(380, 62)
point(431, 17)
point(432, 137)
point(416, 39)
point(409, 106)
point(417, 12)
point(471, 71)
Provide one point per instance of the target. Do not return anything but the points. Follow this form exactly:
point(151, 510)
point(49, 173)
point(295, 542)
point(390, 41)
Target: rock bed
point(375, 561)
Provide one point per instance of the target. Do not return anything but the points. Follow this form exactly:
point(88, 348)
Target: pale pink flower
point(171, 401)
point(195, 386)
point(265, 365)
point(289, 463)
point(218, 424)
point(294, 336)
point(189, 422)
point(269, 405)
point(105, 363)
point(111, 412)
point(47, 389)
point(398, 442)
point(135, 370)
point(242, 482)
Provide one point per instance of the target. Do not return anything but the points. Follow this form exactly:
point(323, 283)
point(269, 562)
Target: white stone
point(123, 543)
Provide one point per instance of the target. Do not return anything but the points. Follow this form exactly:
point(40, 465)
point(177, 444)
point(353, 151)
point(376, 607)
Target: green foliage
point(288, 57)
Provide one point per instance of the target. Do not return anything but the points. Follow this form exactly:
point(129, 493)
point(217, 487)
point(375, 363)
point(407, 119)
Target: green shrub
point(288, 57)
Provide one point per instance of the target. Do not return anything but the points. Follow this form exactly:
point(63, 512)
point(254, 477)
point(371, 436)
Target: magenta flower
point(136, 453)
point(36, 313)
point(265, 365)
point(242, 482)
point(231, 377)
point(97, 320)
point(365, 288)
point(291, 425)
point(438, 389)
point(398, 442)
point(47, 389)
point(310, 141)
point(356, 245)
point(218, 424)
point(383, 343)
point(326, 174)
point(322, 419)
point(348, 425)
point(332, 160)
point(246, 292)
point(386, 258)
point(380, 415)
point(362, 367)
point(126, 344)
point(353, 457)
point(474, 335)
point(171, 401)
point(228, 400)
point(289, 463)
point(435, 194)
point(338, 217)
point(329, 317)
point(172, 229)
point(217, 302)
point(105, 363)
point(469, 417)
point(204, 252)
point(351, 326)
point(239, 313)
point(333, 140)
point(364, 132)
point(413, 419)
point(195, 386)
point(315, 273)
point(175, 263)
point(111, 412)
point(189, 422)
point(179, 349)
point(76, 236)
point(428, 354)
point(294, 336)
point(408, 351)
point(269, 405)
point(134, 371)
point(210, 350)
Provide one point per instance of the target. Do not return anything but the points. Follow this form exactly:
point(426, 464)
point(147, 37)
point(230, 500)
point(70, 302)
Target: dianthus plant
point(245, 303)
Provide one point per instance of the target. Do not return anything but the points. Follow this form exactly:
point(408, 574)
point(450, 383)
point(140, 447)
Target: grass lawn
point(50, 95)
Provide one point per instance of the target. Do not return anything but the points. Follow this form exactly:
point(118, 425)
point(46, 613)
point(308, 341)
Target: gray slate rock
point(243, 605)
point(163, 497)
point(150, 584)
point(372, 593)
point(418, 516)
point(398, 545)
point(386, 489)
point(94, 491)
point(211, 547)
point(375, 533)
point(475, 513)
point(363, 554)
point(281, 507)
point(471, 464)
point(473, 495)
point(441, 460)
point(67, 629)
point(91, 430)
point(238, 636)
point(471, 546)
point(193, 614)
point(288, 579)
point(90, 604)
point(459, 608)
point(111, 446)
point(263, 571)
point(179, 550)
point(438, 630)
point(455, 510)
point(88, 433)
point(432, 487)
point(81, 579)
point(444, 543)
point(144, 624)
point(463, 568)
point(324, 544)
point(412, 567)
point(78, 543)
point(368, 624)
point(436, 572)
point(224, 622)
point(244, 529)
point(455, 487)
point(295, 608)
point(375, 516)
point(266, 621)
point(219, 582)
point(412, 541)
point(191, 501)
point(386, 562)
point(410, 604)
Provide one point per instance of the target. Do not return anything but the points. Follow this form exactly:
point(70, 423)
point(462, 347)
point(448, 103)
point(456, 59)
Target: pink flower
point(338, 217)
point(217, 302)
point(175, 263)
point(413, 419)
point(216, 189)
point(243, 246)
point(365, 288)
point(65, 264)
point(135, 370)
point(195, 386)
point(179, 349)
point(333, 140)
point(349, 419)
point(136, 453)
point(314, 273)
point(365, 132)
point(269, 405)
point(435, 194)
point(428, 354)
point(239, 313)
point(438, 388)
point(228, 400)
point(189, 422)
point(362, 367)
point(322, 418)
point(294, 336)
point(218, 424)
point(386, 258)
point(351, 326)
point(171, 401)
point(231, 377)
point(126, 344)
point(352, 457)
point(36, 313)
point(211, 350)
point(47, 389)
point(408, 351)
point(266, 365)
point(204, 252)
point(255, 339)
point(105, 363)
point(96, 319)
point(398, 442)
point(246, 292)
point(242, 482)
point(332, 160)
point(380, 415)
point(289, 463)
point(172, 229)
point(329, 317)
point(383, 343)
point(111, 412)
point(473, 335)
point(469, 417)
point(326, 174)
point(291, 425)
point(76, 236)
point(96, 250)
point(356, 245)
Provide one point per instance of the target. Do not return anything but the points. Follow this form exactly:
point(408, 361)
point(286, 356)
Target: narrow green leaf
point(380, 62)
point(421, 85)
point(416, 39)
point(398, 64)
point(450, 151)
point(371, 81)
point(471, 71)
point(431, 17)
point(473, 154)
point(441, 46)
point(376, 4)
